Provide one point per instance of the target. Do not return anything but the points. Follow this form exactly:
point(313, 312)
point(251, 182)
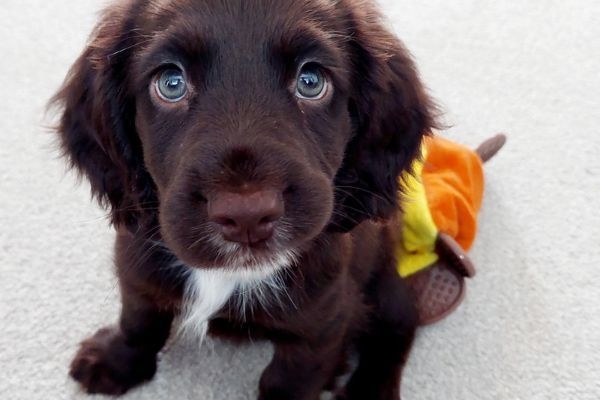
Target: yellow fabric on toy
point(443, 195)
point(419, 233)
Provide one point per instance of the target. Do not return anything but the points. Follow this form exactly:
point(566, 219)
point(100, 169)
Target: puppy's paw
point(106, 364)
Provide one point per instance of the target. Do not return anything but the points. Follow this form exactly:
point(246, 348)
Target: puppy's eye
point(171, 86)
point(311, 83)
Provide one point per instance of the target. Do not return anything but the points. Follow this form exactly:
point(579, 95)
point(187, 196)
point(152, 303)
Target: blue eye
point(171, 85)
point(311, 83)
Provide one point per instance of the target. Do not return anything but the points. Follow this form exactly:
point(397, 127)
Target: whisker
point(128, 48)
point(377, 195)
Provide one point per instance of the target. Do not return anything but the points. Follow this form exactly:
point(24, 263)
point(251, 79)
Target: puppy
point(249, 154)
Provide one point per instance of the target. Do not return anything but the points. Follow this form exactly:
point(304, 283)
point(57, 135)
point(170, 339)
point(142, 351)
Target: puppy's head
point(243, 131)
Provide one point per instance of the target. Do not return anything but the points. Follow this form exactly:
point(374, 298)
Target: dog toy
point(441, 198)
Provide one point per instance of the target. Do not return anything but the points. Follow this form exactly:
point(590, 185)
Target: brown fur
point(335, 163)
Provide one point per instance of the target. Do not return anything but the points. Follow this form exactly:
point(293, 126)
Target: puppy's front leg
point(118, 358)
point(300, 370)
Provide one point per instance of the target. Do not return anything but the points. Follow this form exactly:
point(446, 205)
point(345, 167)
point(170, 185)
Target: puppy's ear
point(391, 112)
point(97, 130)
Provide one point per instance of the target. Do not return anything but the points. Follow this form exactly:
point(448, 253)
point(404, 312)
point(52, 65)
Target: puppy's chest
point(243, 300)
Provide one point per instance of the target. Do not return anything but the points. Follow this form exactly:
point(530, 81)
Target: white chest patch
point(208, 290)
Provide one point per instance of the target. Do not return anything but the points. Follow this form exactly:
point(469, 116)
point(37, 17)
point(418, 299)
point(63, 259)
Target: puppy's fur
point(324, 283)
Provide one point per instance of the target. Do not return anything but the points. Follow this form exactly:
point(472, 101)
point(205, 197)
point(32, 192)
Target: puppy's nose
point(246, 217)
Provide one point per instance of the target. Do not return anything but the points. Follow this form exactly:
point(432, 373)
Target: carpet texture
point(530, 325)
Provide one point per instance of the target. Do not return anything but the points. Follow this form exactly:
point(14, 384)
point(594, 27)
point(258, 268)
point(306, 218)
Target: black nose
point(246, 217)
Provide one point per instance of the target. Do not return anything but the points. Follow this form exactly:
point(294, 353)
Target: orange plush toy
point(441, 200)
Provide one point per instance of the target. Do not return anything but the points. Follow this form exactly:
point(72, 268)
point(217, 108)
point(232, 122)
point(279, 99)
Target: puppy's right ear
point(97, 129)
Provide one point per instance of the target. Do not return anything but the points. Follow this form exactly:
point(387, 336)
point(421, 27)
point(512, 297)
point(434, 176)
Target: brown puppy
point(244, 149)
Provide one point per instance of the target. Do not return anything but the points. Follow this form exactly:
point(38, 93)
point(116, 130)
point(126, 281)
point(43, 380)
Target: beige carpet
point(530, 326)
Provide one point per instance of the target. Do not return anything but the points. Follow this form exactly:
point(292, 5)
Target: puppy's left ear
point(391, 112)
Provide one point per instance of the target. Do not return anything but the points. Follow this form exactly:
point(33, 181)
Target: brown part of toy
point(490, 147)
point(439, 290)
point(449, 250)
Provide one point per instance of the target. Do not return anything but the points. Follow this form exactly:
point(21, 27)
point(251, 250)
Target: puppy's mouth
point(250, 256)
